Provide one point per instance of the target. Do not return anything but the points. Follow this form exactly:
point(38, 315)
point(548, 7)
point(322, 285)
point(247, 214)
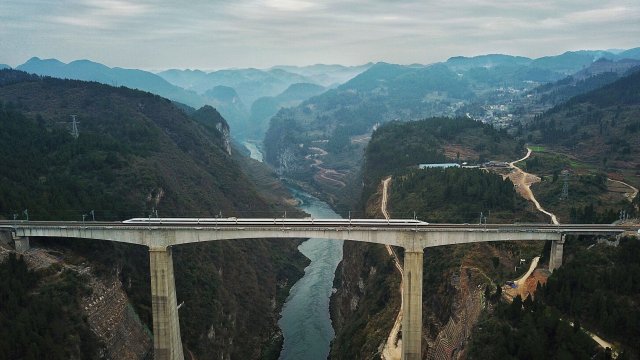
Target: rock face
point(284, 151)
point(468, 303)
point(210, 117)
point(365, 303)
point(105, 306)
point(112, 318)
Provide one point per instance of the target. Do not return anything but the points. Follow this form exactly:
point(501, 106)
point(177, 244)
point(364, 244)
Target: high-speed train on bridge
point(232, 221)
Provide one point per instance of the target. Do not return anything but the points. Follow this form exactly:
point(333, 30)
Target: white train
point(274, 222)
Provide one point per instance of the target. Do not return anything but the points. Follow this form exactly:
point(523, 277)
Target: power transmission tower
point(74, 127)
point(565, 185)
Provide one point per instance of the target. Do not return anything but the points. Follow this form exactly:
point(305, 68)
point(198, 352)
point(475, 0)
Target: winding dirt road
point(329, 175)
point(393, 347)
point(523, 181)
point(629, 195)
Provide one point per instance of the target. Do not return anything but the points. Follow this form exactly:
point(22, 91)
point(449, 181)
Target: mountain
point(227, 101)
point(598, 74)
point(601, 66)
point(4, 66)
point(92, 71)
point(265, 107)
point(487, 61)
point(630, 54)
point(300, 91)
point(599, 127)
point(339, 120)
point(137, 153)
point(234, 92)
point(571, 61)
point(327, 75)
point(250, 84)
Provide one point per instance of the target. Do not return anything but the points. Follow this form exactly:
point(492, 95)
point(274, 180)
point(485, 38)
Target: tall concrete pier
point(412, 307)
point(555, 256)
point(21, 244)
point(167, 343)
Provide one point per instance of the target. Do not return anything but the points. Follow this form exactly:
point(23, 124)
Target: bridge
point(159, 235)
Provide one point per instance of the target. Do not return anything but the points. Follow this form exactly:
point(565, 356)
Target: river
point(254, 151)
point(305, 321)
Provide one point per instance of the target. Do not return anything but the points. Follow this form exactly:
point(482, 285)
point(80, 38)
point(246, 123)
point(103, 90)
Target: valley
point(433, 142)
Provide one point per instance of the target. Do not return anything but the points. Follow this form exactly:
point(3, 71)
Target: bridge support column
point(167, 344)
point(555, 256)
point(412, 306)
point(21, 244)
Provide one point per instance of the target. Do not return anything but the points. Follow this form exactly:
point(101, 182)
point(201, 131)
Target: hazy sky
point(157, 34)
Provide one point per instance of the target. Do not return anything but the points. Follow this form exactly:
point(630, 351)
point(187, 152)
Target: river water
point(254, 151)
point(305, 320)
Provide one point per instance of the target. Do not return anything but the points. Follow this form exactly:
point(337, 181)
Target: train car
point(275, 222)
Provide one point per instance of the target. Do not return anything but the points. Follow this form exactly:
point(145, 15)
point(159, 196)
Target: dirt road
point(633, 190)
point(523, 181)
point(393, 347)
point(325, 174)
point(521, 282)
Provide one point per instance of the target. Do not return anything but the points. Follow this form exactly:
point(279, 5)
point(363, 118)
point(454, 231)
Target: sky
point(215, 34)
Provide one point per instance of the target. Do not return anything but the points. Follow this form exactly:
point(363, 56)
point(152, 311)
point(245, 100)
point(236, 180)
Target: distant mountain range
point(232, 92)
point(247, 98)
point(131, 78)
point(598, 74)
point(327, 75)
point(566, 63)
point(384, 92)
point(250, 84)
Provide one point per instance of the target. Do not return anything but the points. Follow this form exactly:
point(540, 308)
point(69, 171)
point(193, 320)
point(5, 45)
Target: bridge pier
point(21, 244)
point(167, 344)
point(555, 256)
point(412, 305)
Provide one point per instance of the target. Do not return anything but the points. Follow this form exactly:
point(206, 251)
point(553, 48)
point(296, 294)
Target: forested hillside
point(598, 74)
point(454, 195)
point(40, 314)
point(396, 146)
point(600, 127)
point(452, 275)
point(597, 288)
point(136, 153)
